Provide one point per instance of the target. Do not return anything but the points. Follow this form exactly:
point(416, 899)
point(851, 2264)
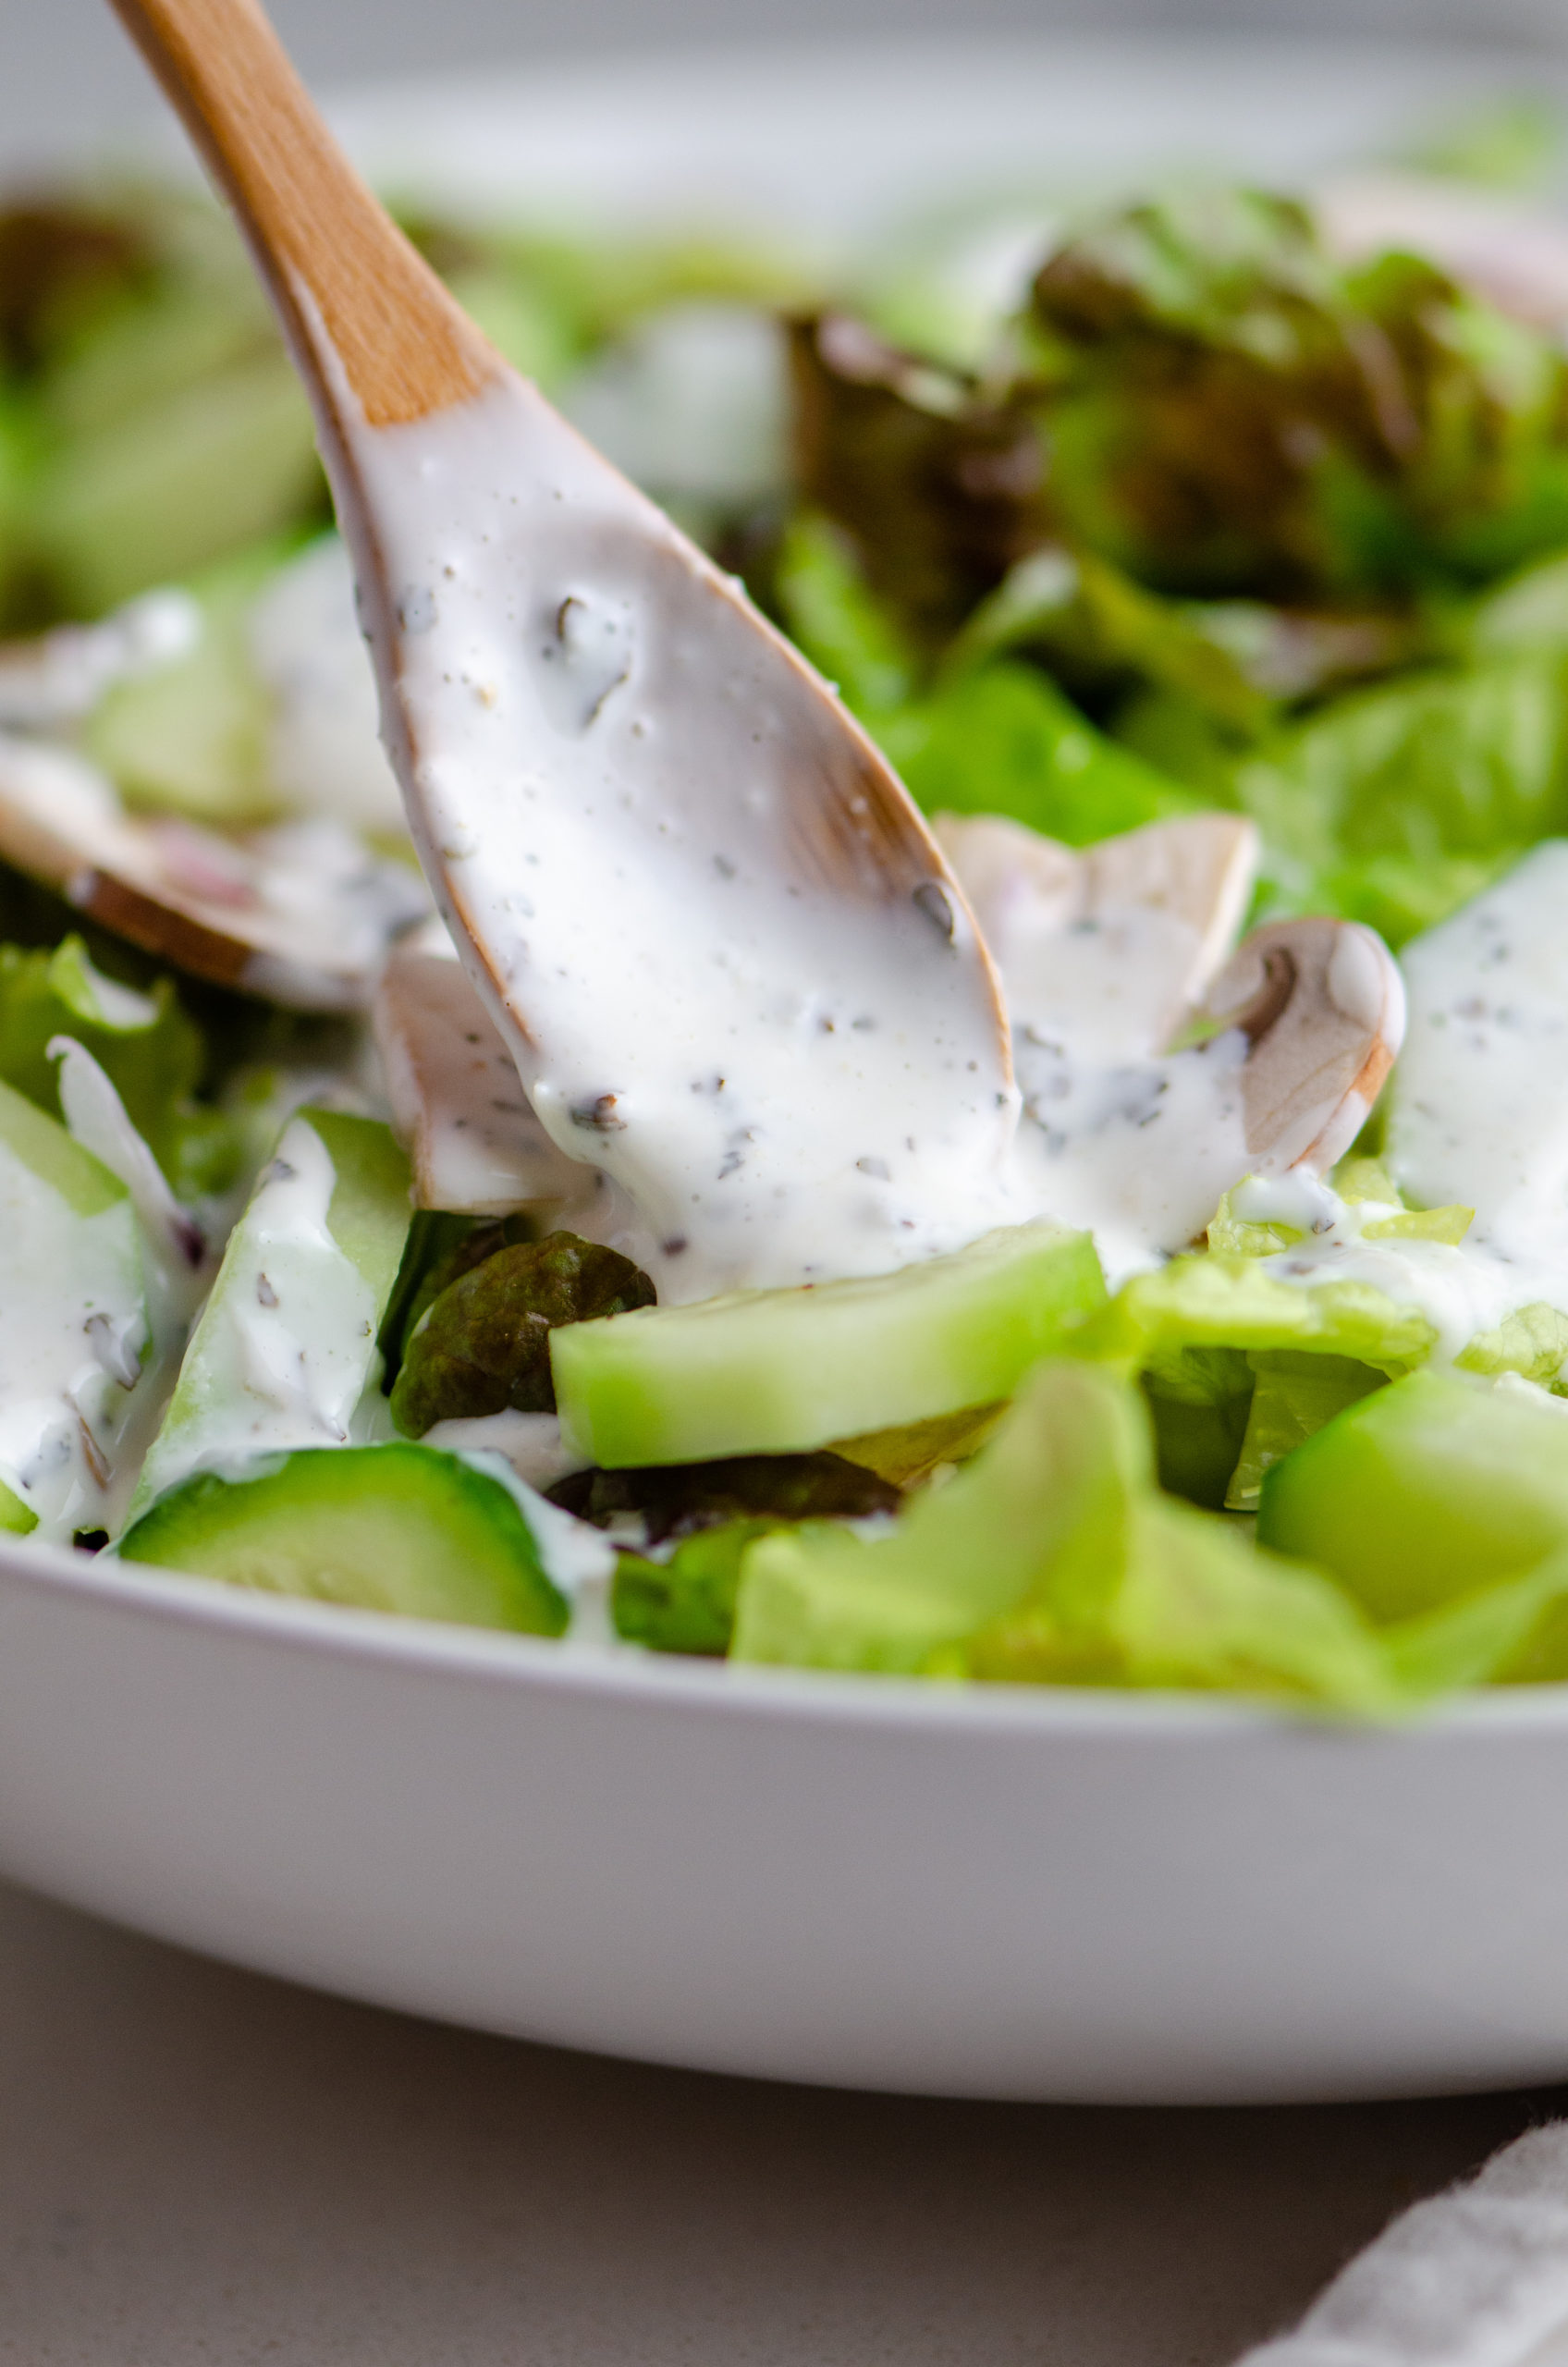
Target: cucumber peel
point(781, 1372)
point(394, 1529)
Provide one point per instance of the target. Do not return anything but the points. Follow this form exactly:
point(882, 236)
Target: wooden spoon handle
point(323, 242)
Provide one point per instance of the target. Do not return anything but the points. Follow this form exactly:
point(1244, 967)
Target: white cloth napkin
point(1476, 2277)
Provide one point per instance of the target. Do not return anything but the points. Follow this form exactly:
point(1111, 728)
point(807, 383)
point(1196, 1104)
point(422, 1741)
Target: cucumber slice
point(286, 1348)
point(778, 1372)
point(399, 1528)
point(1423, 1492)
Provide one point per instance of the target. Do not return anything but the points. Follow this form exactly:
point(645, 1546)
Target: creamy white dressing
point(1479, 1106)
point(284, 1349)
point(1138, 1153)
point(1102, 956)
point(73, 1332)
point(531, 1444)
point(175, 1254)
point(575, 1556)
point(1114, 945)
point(61, 677)
point(1462, 1288)
point(324, 755)
point(315, 884)
point(788, 1080)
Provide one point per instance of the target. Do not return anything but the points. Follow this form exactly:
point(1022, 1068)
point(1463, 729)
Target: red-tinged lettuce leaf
point(485, 1344)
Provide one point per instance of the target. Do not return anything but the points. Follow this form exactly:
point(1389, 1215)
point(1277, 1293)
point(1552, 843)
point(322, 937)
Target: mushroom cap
point(1322, 1005)
point(1114, 944)
point(458, 1105)
point(304, 913)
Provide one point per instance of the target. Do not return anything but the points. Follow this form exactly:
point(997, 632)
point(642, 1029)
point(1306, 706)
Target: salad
point(1208, 587)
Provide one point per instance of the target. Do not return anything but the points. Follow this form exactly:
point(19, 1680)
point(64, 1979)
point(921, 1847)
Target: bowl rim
point(627, 1675)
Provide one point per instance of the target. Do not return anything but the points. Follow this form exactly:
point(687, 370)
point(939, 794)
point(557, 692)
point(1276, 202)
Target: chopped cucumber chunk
point(19, 1520)
point(397, 1529)
point(286, 1348)
point(777, 1372)
point(1425, 1491)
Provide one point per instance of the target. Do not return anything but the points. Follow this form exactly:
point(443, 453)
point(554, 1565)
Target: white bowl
point(987, 1893)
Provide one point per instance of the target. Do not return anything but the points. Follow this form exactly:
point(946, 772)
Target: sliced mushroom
point(1322, 1005)
point(475, 1144)
point(1114, 945)
point(304, 913)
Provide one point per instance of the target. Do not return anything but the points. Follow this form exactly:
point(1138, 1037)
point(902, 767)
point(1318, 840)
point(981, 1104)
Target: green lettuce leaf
point(995, 738)
point(151, 1051)
point(1357, 1180)
point(1199, 1608)
point(1512, 1634)
point(1198, 1399)
point(1396, 804)
point(1006, 741)
point(1294, 1396)
point(686, 1604)
point(192, 736)
point(1208, 1301)
point(936, 478)
point(1052, 1559)
point(832, 614)
point(1532, 1343)
point(1099, 629)
point(1052, 1493)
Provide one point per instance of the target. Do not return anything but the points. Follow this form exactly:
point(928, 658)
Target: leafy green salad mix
point(1210, 519)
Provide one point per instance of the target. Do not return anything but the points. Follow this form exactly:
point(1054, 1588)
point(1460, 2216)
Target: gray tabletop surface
point(198, 2165)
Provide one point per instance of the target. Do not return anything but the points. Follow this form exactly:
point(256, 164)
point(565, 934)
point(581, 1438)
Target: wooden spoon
point(727, 954)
